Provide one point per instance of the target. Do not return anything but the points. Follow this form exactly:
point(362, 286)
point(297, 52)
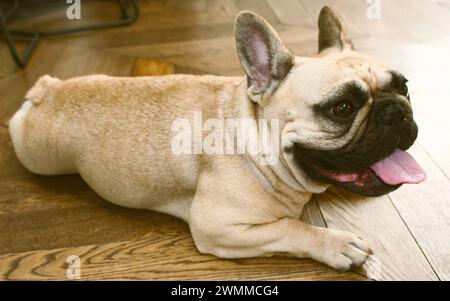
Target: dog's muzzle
point(396, 114)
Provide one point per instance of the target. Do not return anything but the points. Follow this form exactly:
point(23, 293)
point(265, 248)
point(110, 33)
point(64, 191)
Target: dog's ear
point(264, 57)
point(332, 32)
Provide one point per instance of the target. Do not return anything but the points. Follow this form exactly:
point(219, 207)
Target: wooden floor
point(43, 220)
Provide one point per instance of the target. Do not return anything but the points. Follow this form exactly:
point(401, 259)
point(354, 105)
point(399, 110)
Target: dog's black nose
point(391, 112)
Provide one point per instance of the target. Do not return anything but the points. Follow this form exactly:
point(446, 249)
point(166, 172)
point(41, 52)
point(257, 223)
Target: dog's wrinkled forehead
point(372, 73)
point(313, 79)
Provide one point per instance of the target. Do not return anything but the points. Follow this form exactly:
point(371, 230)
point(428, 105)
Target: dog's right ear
point(264, 57)
point(332, 32)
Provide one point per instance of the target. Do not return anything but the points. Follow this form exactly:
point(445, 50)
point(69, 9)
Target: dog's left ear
point(264, 57)
point(332, 31)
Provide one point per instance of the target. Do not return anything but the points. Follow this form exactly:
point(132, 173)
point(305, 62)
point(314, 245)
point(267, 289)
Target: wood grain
point(425, 209)
point(396, 254)
point(159, 258)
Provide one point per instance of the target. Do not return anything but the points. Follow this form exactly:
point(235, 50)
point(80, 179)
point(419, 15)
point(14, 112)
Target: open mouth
point(376, 179)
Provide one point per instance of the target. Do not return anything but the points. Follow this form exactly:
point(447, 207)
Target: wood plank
point(403, 15)
point(155, 28)
point(429, 88)
point(312, 215)
point(425, 208)
point(159, 258)
point(214, 7)
point(434, 12)
point(291, 12)
point(139, 36)
point(7, 66)
point(258, 6)
point(396, 254)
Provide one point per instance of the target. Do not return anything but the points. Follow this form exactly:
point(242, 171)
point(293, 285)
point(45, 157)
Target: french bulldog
point(344, 118)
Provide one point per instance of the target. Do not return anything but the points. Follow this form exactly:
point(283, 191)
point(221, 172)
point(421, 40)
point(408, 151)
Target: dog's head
point(347, 119)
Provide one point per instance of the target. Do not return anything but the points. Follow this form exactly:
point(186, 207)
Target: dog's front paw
point(342, 250)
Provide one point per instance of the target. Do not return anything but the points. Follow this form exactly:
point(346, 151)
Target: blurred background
point(45, 219)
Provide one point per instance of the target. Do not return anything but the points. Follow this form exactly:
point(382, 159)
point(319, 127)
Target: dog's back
point(116, 132)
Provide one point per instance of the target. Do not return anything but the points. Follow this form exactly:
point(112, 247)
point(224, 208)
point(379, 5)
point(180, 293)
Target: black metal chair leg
point(127, 18)
point(20, 60)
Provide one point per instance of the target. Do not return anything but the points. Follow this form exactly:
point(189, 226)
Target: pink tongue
point(398, 168)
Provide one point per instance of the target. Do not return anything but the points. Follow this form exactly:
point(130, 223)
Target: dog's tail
point(44, 86)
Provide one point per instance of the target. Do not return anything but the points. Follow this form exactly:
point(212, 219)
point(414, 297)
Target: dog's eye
point(404, 91)
point(342, 109)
